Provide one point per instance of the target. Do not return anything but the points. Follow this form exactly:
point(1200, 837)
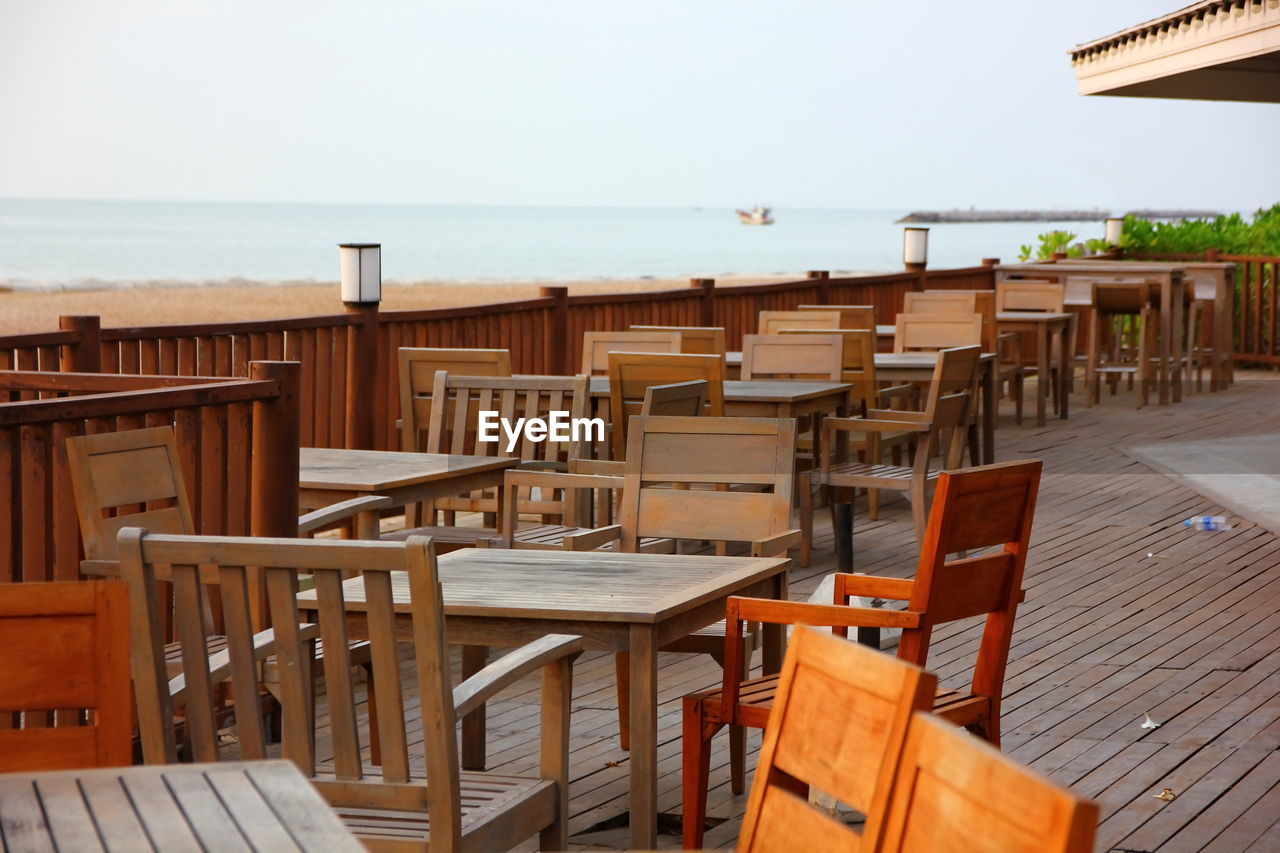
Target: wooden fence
point(237, 438)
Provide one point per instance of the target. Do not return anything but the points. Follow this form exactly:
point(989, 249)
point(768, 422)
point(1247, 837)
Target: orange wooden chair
point(66, 650)
point(974, 509)
point(852, 757)
point(953, 792)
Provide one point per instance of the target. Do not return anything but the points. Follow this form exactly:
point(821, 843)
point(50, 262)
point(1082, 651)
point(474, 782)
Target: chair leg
point(804, 487)
point(919, 511)
point(738, 734)
point(696, 769)
point(1018, 388)
point(622, 668)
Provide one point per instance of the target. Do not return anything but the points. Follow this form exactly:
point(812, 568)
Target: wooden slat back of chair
point(851, 316)
point(809, 356)
point(940, 302)
point(418, 366)
point(772, 322)
point(677, 400)
point(1030, 296)
point(812, 740)
point(984, 304)
point(954, 792)
point(858, 361)
point(694, 340)
point(631, 373)
point(136, 476)
point(709, 451)
point(932, 332)
point(380, 564)
point(596, 346)
point(66, 650)
point(1115, 297)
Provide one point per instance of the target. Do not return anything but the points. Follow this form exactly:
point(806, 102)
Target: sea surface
point(56, 244)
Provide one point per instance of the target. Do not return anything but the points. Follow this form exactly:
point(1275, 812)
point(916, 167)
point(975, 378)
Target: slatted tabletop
point(376, 471)
point(228, 806)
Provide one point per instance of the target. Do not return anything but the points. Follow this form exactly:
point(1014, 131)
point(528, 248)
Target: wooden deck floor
point(1126, 612)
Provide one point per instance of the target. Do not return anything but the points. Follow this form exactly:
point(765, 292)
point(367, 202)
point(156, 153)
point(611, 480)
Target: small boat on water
point(759, 215)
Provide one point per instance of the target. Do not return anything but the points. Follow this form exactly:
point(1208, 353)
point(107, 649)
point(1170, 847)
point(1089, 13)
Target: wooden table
point(230, 805)
point(1042, 324)
point(900, 367)
point(632, 603)
point(328, 476)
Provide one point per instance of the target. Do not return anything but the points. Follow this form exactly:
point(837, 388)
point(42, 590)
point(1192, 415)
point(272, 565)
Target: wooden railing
point(236, 438)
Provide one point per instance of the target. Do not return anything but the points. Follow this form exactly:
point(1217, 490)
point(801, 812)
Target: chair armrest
point(561, 480)
point(772, 546)
point(775, 612)
point(264, 646)
point(898, 391)
point(868, 424)
point(540, 465)
point(871, 586)
point(341, 511)
point(589, 540)
point(597, 466)
point(479, 688)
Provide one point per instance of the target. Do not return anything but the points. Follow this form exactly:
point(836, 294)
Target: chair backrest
point(932, 332)
point(145, 557)
point(715, 451)
point(940, 302)
point(66, 650)
point(851, 316)
point(677, 400)
point(772, 322)
point(954, 792)
point(813, 740)
point(596, 346)
point(984, 304)
point(136, 477)
point(696, 340)
point(1129, 297)
point(949, 406)
point(808, 356)
point(418, 366)
point(1030, 296)
point(632, 373)
point(858, 361)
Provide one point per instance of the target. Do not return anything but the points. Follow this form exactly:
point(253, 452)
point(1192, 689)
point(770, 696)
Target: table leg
point(473, 745)
point(1065, 371)
point(1043, 378)
point(842, 530)
point(1166, 337)
point(990, 411)
point(644, 738)
point(1175, 347)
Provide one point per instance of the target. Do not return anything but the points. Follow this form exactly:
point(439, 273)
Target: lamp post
point(1115, 227)
point(915, 249)
point(361, 265)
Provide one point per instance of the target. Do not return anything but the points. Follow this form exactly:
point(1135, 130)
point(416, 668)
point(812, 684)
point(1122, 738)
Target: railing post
point(707, 306)
point(362, 375)
point(555, 340)
point(990, 262)
point(273, 474)
point(1211, 255)
point(85, 355)
point(823, 278)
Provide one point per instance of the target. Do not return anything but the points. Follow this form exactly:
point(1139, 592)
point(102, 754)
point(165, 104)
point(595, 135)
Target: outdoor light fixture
point(1114, 228)
point(361, 265)
point(915, 247)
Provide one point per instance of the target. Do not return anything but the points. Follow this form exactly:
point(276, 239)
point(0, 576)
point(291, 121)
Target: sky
point(846, 104)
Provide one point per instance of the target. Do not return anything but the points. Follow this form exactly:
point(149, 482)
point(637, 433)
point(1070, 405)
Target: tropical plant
point(1231, 235)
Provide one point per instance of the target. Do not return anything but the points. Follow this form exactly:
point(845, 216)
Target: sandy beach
point(145, 304)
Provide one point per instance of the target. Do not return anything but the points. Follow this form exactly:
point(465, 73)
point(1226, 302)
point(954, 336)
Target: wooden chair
point(1122, 340)
point(809, 356)
point(677, 400)
point(1008, 366)
point(388, 806)
point(940, 302)
point(694, 340)
point(418, 366)
point(1030, 296)
point(596, 346)
point(945, 419)
point(852, 757)
point(976, 509)
point(772, 322)
point(666, 459)
point(631, 374)
point(956, 793)
point(933, 332)
point(66, 651)
point(851, 316)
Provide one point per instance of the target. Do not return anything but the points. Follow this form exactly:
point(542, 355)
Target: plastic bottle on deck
point(1207, 522)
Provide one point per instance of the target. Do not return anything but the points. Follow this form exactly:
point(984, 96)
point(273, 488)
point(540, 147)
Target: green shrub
point(1231, 235)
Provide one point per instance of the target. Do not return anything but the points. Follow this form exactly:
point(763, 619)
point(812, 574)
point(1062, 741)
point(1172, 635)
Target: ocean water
point(76, 243)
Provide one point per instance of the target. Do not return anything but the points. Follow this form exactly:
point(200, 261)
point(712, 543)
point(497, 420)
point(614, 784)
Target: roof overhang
point(1217, 50)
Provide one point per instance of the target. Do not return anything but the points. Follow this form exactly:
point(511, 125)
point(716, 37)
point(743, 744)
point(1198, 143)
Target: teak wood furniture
point(1043, 325)
point(975, 509)
point(596, 346)
point(839, 724)
point(851, 316)
point(245, 805)
point(66, 651)
point(385, 804)
point(630, 374)
point(808, 356)
point(933, 332)
point(898, 367)
point(633, 603)
point(694, 340)
point(772, 322)
point(418, 366)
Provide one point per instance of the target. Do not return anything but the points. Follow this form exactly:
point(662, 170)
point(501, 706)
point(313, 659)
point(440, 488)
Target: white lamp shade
point(361, 265)
point(915, 245)
point(1115, 227)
